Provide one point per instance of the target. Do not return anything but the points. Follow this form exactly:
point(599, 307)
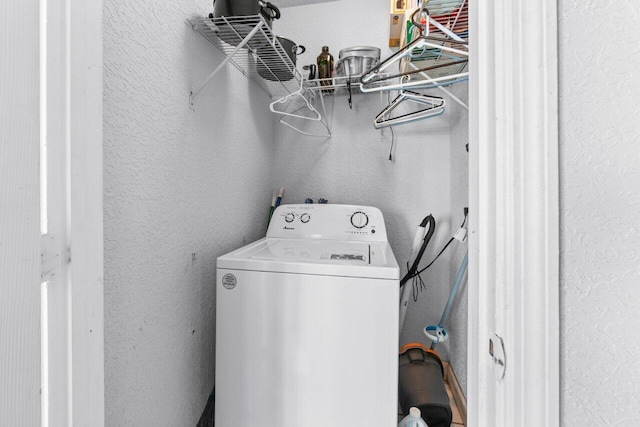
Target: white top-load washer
point(307, 323)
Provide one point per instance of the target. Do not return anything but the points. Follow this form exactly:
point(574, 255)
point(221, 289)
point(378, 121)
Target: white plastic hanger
point(299, 96)
point(435, 107)
point(289, 99)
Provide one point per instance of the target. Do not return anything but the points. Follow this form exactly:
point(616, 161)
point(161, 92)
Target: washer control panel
point(327, 221)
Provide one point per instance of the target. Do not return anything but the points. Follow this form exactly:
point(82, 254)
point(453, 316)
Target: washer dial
point(359, 219)
point(305, 218)
point(289, 217)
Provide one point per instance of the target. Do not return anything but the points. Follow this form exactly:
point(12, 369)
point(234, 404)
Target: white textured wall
point(176, 183)
point(353, 167)
point(457, 322)
point(179, 182)
point(600, 210)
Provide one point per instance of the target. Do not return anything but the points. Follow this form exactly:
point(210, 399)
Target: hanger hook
point(423, 23)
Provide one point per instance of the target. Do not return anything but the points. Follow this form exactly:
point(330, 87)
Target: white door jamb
point(514, 214)
point(71, 167)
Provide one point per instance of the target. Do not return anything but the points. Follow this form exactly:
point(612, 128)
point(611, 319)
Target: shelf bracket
point(198, 89)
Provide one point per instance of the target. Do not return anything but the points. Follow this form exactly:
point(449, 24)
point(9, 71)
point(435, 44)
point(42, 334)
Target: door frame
point(514, 214)
point(513, 263)
point(72, 318)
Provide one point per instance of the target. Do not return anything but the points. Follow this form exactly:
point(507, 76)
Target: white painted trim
point(73, 80)
point(54, 111)
point(86, 233)
point(514, 235)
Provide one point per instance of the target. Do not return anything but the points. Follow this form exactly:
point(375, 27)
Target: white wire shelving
point(338, 85)
point(438, 65)
point(249, 44)
point(450, 14)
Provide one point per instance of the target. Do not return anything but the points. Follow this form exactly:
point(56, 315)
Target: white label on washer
point(229, 281)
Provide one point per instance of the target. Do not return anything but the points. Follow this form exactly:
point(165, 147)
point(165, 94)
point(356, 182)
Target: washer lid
point(347, 253)
point(320, 257)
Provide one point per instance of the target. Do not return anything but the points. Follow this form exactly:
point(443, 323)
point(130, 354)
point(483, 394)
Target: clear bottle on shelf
point(414, 419)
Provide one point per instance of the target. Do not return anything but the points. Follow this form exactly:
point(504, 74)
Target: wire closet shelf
point(250, 45)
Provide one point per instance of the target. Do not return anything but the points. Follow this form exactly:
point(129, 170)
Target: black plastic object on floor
point(208, 417)
point(421, 384)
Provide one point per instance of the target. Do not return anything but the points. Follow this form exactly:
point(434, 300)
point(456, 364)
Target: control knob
point(359, 219)
point(289, 217)
point(305, 218)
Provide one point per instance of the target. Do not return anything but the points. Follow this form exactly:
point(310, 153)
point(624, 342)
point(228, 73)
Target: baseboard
point(456, 391)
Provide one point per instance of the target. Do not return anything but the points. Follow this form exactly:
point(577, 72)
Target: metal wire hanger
point(435, 107)
point(423, 43)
